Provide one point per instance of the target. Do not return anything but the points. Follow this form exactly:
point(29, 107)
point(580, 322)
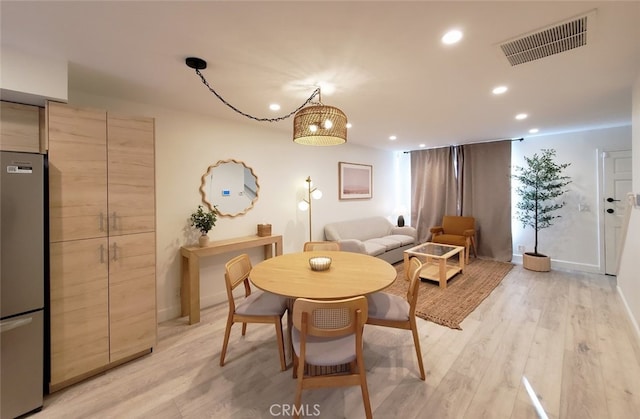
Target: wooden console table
point(190, 266)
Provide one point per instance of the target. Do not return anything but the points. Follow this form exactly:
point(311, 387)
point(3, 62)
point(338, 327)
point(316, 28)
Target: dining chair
point(326, 245)
point(256, 306)
point(329, 333)
point(392, 311)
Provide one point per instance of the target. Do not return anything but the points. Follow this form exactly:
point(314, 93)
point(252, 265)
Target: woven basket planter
point(538, 263)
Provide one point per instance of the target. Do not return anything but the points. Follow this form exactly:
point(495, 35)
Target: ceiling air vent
point(560, 37)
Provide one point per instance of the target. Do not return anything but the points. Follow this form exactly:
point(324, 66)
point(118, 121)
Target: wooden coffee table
point(435, 258)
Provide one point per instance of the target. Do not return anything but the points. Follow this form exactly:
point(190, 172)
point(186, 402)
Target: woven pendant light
point(320, 125)
point(316, 124)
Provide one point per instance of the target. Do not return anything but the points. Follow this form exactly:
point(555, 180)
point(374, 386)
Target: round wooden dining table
point(350, 275)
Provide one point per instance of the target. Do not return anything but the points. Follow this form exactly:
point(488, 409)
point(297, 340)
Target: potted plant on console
point(542, 182)
point(203, 221)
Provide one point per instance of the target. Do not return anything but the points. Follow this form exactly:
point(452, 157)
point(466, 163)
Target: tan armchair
point(457, 231)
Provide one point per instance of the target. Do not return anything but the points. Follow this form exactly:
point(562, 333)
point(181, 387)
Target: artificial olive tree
point(541, 182)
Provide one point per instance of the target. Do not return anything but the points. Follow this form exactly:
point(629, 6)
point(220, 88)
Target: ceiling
point(390, 72)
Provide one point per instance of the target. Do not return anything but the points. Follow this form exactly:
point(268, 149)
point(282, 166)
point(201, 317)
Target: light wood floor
point(567, 333)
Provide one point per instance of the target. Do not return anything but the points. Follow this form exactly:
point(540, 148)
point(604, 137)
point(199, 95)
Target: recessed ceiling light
point(521, 116)
point(422, 145)
point(533, 130)
point(349, 125)
point(499, 90)
point(393, 138)
point(274, 107)
point(452, 37)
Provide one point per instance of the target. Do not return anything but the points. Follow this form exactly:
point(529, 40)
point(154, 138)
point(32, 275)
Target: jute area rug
point(464, 292)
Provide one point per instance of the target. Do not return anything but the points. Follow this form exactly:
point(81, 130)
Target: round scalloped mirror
point(230, 186)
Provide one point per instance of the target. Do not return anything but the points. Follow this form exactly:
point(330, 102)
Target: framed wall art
point(355, 181)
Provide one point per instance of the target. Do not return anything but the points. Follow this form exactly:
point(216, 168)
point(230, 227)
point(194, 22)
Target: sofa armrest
point(352, 245)
point(406, 231)
point(469, 233)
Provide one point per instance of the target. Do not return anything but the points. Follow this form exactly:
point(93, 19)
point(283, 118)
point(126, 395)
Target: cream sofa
point(375, 236)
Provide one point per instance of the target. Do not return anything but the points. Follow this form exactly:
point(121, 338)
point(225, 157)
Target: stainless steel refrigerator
point(22, 279)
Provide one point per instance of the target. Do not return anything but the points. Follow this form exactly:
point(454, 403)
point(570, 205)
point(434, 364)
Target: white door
point(617, 183)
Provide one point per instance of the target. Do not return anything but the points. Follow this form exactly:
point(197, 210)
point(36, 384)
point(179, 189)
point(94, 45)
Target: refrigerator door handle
point(7, 325)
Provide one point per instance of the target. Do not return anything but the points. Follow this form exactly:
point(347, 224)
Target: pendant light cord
point(278, 119)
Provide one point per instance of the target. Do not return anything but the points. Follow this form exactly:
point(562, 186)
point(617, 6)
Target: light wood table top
point(350, 275)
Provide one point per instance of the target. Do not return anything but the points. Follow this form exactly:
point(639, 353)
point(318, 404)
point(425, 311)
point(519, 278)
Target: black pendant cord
point(278, 119)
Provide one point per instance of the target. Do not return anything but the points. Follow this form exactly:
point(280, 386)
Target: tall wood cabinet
point(102, 234)
point(20, 128)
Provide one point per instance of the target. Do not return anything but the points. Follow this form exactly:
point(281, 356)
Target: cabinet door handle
point(102, 253)
point(115, 218)
point(115, 251)
point(101, 221)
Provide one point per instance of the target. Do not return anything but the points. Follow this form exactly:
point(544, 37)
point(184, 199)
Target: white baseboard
point(173, 312)
point(634, 323)
point(562, 264)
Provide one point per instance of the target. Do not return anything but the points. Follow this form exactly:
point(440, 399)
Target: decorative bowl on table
point(320, 263)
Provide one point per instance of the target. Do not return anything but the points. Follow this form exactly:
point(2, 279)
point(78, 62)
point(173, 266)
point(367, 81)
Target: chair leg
point(289, 329)
point(416, 343)
point(225, 342)
point(298, 399)
point(283, 364)
point(244, 329)
point(363, 387)
point(295, 366)
point(466, 251)
point(473, 244)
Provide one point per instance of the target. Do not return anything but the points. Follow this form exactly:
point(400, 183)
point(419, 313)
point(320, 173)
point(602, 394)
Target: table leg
point(184, 286)
point(194, 289)
point(442, 263)
point(461, 258)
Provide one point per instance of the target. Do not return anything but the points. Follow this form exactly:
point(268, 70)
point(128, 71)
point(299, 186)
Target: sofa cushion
point(404, 240)
point(388, 242)
point(374, 249)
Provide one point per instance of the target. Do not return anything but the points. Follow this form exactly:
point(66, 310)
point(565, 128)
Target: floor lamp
point(305, 204)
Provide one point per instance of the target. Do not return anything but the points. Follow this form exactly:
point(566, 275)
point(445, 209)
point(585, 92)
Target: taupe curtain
point(433, 189)
point(485, 181)
point(471, 180)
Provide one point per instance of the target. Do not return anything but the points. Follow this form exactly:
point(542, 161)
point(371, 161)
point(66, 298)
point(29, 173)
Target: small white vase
point(203, 240)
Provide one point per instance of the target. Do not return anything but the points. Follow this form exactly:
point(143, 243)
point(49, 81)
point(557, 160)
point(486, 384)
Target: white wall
point(186, 144)
point(574, 241)
point(31, 79)
point(628, 275)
